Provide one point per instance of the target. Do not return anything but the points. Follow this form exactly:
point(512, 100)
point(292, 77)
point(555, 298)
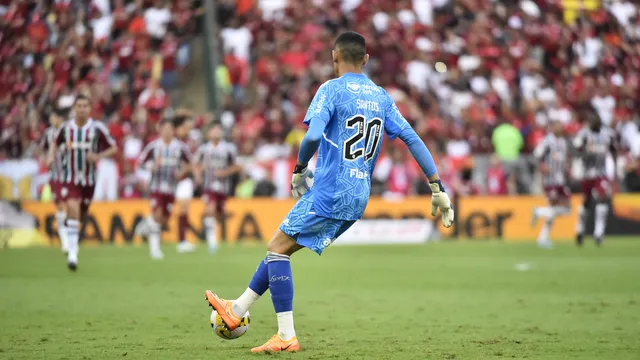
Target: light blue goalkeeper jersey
point(355, 111)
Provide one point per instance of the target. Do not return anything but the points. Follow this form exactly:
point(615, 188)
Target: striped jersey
point(213, 158)
point(594, 148)
point(553, 152)
point(92, 137)
point(165, 161)
point(49, 138)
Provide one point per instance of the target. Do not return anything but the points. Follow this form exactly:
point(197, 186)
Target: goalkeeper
point(347, 119)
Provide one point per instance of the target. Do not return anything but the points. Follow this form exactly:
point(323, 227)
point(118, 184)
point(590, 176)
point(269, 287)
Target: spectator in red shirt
point(155, 100)
point(169, 52)
point(129, 185)
point(496, 178)
point(401, 175)
point(61, 66)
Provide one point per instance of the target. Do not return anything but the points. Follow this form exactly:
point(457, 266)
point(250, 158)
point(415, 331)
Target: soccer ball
point(221, 330)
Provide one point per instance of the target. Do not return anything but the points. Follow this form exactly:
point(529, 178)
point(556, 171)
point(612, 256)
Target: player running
point(594, 143)
point(346, 121)
point(85, 142)
point(214, 163)
point(56, 120)
point(168, 160)
point(553, 154)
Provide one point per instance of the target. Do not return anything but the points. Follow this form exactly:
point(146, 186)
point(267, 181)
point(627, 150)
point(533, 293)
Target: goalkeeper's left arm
point(308, 147)
point(439, 199)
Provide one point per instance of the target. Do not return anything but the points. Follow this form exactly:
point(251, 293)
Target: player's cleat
point(545, 245)
point(598, 241)
point(185, 246)
point(579, 239)
point(157, 255)
point(224, 308)
point(72, 266)
point(276, 344)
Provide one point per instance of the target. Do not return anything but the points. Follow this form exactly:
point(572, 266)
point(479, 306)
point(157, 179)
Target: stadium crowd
point(479, 80)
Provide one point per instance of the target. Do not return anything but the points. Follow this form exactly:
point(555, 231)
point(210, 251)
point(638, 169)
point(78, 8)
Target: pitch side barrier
point(403, 221)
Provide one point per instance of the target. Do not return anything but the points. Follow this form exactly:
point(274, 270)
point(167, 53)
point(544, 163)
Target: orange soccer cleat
point(276, 344)
point(224, 309)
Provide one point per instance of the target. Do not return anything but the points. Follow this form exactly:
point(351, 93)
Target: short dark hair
point(351, 46)
point(180, 120)
point(60, 112)
point(81, 97)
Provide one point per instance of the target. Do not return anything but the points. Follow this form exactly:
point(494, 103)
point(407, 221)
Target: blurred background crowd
point(479, 80)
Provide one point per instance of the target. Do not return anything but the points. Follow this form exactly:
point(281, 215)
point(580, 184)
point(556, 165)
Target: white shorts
point(184, 190)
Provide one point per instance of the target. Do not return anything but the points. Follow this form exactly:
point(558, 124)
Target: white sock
point(210, 232)
point(543, 212)
point(582, 214)
point(155, 232)
point(62, 230)
point(602, 210)
point(242, 304)
point(73, 238)
point(561, 210)
point(543, 237)
point(285, 325)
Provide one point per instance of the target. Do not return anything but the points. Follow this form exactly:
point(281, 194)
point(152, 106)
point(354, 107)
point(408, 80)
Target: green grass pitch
point(449, 300)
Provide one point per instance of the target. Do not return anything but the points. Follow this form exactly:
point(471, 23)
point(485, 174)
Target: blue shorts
point(310, 230)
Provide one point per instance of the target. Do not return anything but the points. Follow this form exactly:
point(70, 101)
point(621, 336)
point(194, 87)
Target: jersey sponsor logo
point(368, 89)
point(326, 242)
point(358, 174)
point(353, 88)
point(80, 145)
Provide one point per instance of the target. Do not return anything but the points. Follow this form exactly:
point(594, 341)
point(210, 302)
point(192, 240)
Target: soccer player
point(56, 119)
point(594, 143)
point(346, 121)
point(552, 154)
point(85, 142)
point(168, 159)
point(214, 163)
point(184, 189)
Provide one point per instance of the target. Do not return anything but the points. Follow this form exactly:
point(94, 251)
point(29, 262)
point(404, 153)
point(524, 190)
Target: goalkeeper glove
point(299, 185)
point(440, 200)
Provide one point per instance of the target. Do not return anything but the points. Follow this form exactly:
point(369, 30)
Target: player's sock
point(62, 231)
point(543, 212)
point(257, 286)
point(582, 218)
point(183, 223)
point(155, 233)
point(281, 287)
point(582, 215)
point(210, 233)
point(285, 325)
point(543, 237)
point(72, 227)
point(602, 210)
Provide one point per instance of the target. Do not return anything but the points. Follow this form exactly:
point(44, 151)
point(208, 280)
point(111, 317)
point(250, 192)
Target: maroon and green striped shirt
point(79, 141)
point(169, 158)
